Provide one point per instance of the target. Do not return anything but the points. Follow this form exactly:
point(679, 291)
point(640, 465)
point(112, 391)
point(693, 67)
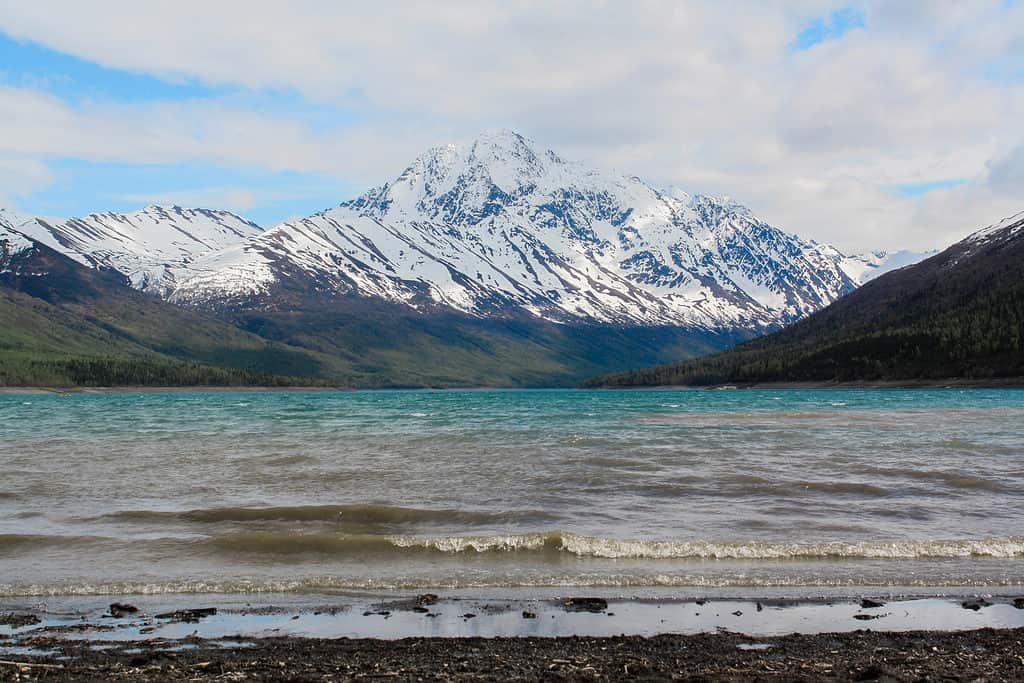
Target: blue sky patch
point(24, 64)
point(924, 187)
point(83, 186)
point(1006, 69)
point(266, 197)
point(828, 28)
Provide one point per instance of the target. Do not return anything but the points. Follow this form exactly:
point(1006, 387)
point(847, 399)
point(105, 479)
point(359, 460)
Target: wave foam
point(612, 548)
point(550, 544)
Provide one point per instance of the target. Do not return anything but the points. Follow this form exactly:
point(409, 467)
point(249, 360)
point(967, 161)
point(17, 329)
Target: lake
point(781, 492)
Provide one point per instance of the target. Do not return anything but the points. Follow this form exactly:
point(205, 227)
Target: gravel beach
point(428, 637)
point(986, 654)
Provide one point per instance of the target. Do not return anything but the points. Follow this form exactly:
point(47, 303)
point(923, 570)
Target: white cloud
point(40, 124)
point(1005, 174)
point(705, 95)
point(20, 176)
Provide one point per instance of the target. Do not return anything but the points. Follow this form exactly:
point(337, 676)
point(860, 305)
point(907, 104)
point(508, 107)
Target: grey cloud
point(704, 95)
point(1006, 173)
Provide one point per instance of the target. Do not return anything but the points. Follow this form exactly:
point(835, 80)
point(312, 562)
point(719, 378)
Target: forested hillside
point(62, 324)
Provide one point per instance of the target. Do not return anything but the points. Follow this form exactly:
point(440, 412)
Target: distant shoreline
point(1007, 383)
point(162, 390)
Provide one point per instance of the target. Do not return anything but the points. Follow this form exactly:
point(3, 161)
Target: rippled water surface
point(334, 491)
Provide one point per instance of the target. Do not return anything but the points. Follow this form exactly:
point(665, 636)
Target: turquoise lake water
point(749, 490)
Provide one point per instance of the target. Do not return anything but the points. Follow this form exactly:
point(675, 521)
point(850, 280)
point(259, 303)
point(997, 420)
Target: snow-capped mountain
point(489, 228)
point(501, 224)
point(149, 246)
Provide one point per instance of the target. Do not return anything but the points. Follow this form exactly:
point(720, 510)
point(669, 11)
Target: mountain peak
point(504, 144)
point(460, 183)
point(719, 205)
point(504, 138)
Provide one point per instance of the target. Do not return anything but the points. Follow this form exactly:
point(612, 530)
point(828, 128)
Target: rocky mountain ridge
point(151, 247)
point(497, 227)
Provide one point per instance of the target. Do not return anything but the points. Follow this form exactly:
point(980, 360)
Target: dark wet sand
point(986, 654)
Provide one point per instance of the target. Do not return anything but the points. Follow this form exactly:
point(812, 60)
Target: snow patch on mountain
point(1010, 225)
point(12, 241)
point(149, 246)
point(865, 267)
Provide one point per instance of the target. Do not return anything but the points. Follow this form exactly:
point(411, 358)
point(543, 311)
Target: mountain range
point(497, 261)
point(956, 315)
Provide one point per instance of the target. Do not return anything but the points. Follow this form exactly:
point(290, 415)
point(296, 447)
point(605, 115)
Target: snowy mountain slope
point(147, 246)
point(12, 241)
point(863, 268)
point(500, 225)
point(1004, 229)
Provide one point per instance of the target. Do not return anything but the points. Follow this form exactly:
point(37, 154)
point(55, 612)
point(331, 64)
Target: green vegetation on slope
point(398, 347)
point(959, 314)
point(95, 371)
point(64, 324)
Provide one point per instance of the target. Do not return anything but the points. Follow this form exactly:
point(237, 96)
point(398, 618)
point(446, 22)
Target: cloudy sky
point(866, 124)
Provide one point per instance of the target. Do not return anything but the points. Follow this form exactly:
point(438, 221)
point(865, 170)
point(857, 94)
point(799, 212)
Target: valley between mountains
point(496, 263)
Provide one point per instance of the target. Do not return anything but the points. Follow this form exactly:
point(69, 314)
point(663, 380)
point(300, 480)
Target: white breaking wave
point(612, 548)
